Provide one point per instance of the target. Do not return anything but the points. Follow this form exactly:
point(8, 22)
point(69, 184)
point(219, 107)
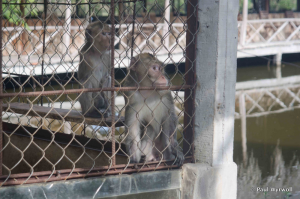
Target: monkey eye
point(155, 68)
point(103, 33)
point(108, 33)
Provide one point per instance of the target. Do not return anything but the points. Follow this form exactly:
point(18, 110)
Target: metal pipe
point(44, 46)
point(1, 87)
point(190, 78)
point(112, 99)
point(74, 91)
point(16, 179)
point(72, 4)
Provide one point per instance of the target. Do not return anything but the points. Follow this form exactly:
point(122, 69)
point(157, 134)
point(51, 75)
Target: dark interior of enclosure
point(44, 135)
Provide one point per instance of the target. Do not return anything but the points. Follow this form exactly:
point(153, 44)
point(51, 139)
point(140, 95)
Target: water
point(265, 72)
point(273, 146)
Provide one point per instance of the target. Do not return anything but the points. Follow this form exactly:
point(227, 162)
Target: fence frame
point(189, 104)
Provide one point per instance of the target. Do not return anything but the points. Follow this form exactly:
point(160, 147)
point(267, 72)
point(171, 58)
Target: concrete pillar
point(277, 61)
point(214, 175)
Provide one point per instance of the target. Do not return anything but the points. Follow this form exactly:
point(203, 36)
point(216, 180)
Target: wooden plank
point(60, 114)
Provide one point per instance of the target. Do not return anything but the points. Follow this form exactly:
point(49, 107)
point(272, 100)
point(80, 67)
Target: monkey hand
point(179, 157)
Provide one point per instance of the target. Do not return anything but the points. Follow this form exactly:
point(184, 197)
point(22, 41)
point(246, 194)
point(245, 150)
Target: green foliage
point(281, 5)
point(250, 5)
point(12, 11)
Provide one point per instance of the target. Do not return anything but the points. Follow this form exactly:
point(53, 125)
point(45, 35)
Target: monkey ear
point(133, 63)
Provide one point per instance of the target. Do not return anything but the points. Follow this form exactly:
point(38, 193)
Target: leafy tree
point(11, 10)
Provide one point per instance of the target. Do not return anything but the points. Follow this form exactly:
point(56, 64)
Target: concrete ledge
point(201, 181)
point(164, 183)
point(165, 194)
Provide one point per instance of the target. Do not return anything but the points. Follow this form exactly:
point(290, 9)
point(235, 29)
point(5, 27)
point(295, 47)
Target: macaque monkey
point(94, 70)
point(150, 118)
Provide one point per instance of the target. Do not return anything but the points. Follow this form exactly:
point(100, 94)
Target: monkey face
point(98, 36)
point(105, 37)
point(148, 70)
point(156, 75)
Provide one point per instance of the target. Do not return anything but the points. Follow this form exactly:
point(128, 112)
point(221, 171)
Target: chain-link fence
point(95, 87)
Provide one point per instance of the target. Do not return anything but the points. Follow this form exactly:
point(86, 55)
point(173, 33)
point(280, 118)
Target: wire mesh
point(95, 87)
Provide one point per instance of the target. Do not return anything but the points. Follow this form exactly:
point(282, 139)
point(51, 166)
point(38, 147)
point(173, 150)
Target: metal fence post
point(1, 86)
point(190, 78)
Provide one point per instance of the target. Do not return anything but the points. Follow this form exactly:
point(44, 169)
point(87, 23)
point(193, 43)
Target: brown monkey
point(150, 118)
point(94, 70)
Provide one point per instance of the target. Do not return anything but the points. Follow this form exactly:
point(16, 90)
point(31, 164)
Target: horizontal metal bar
point(71, 4)
point(85, 90)
point(124, 25)
point(66, 174)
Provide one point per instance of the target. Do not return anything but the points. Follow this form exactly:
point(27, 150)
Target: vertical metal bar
point(112, 18)
point(1, 87)
point(190, 68)
point(44, 46)
point(133, 24)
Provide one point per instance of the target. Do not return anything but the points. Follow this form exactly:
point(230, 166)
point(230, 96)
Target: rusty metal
point(82, 170)
point(67, 174)
point(112, 18)
point(190, 78)
point(111, 127)
point(44, 41)
point(74, 91)
point(72, 4)
point(1, 88)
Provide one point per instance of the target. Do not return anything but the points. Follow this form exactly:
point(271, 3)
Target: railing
point(265, 101)
point(264, 32)
point(148, 38)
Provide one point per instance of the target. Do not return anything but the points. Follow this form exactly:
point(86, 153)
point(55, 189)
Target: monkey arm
point(172, 137)
point(133, 137)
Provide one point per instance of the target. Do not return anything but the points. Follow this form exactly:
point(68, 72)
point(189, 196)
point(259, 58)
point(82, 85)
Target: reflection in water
point(265, 72)
point(284, 181)
point(273, 147)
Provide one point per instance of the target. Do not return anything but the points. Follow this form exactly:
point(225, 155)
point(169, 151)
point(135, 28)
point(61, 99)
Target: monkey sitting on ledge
point(94, 70)
point(150, 119)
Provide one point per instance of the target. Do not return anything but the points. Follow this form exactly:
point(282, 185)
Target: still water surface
point(273, 146)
